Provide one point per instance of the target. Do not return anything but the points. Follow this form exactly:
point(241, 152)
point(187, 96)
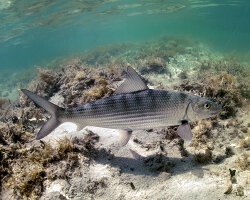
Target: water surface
point(36, 32)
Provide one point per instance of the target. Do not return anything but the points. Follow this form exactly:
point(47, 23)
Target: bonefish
point(132, 107)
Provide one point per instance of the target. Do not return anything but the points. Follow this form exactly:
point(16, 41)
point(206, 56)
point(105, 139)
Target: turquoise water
point(34, 33)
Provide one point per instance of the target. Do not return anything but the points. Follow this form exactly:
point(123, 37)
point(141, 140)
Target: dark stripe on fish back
point(127, 104)
point(138, 99)
point(124, 102)
point(153, 100)
point(183, 96)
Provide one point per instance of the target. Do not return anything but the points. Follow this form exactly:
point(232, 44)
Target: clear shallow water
point(37, 32)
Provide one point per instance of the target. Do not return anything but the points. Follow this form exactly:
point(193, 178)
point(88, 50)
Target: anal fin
point(124, 136)
point(184, 131)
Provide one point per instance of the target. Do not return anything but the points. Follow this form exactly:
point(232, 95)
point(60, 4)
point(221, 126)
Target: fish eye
point(207, 105)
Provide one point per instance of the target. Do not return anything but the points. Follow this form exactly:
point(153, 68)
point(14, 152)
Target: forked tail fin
point(53, 109)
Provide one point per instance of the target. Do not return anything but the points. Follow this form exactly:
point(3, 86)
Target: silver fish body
point(137, 110)
point(133, 106)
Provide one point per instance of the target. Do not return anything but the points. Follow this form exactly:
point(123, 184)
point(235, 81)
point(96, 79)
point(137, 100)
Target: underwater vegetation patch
point(227, 90)
point(202, 132)
point(25, 165)
point(203, 157)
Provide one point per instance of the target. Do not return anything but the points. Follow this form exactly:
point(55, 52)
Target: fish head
point(202, 108)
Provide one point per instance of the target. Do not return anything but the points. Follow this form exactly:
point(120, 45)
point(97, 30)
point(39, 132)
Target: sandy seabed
point(155, 164)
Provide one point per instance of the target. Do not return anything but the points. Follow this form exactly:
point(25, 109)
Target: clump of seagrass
point(24, 167)
point(203, 157)
point(81, 84)
point(47, 82)
point(201, 133)
point(100, 90)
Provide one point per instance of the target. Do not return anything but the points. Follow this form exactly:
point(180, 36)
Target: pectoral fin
point(124, 137)
point(184, 131)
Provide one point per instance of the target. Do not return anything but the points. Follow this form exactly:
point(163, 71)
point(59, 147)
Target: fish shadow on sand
point(152, 165)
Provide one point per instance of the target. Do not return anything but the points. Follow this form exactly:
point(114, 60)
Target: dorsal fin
point(132, 83)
